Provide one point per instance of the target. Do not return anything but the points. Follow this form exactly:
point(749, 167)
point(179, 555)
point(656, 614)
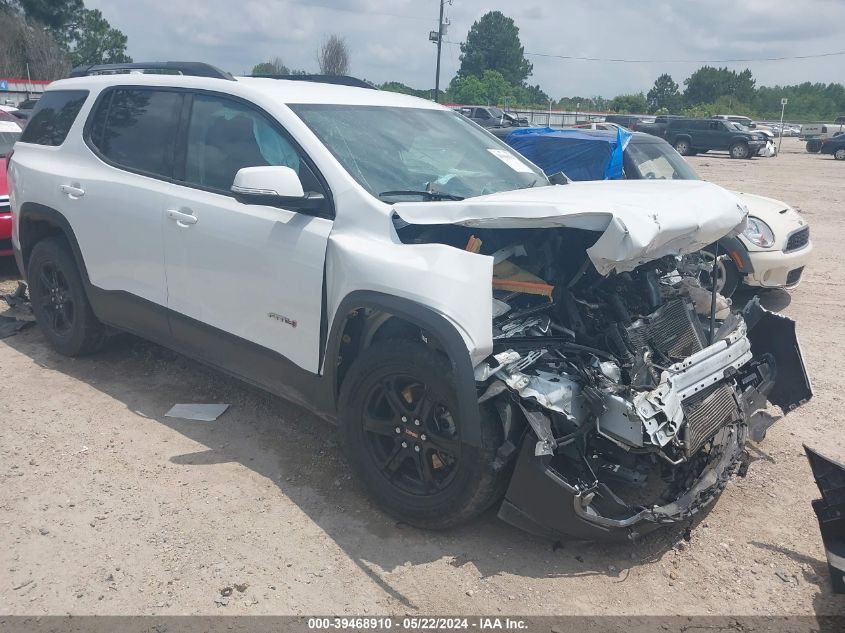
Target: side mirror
point(275, 187)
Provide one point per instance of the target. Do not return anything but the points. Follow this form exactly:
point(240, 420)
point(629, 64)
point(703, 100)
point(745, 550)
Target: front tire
point(740, 150)
point(398, 414)
point(839, 154)
point(682, 146)
point(728, 277)
point(59, 302)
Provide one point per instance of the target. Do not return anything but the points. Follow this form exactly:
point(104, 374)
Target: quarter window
point(225, 136)
point(53, 116)
point(136, 129)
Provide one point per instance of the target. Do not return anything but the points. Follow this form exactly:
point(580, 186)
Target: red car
point(10, 131)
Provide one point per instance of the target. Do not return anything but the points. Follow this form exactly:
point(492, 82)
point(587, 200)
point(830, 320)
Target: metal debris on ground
point(19, 313)
point(198, 412)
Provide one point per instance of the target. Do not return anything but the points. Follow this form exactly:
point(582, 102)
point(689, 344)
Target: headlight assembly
point(759, 233)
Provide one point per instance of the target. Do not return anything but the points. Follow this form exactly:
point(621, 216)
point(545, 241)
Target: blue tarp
point(578, 155)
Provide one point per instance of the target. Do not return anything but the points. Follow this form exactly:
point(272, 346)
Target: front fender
point(430, 321)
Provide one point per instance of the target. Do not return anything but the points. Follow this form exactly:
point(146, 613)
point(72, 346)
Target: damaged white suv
point(481, 336)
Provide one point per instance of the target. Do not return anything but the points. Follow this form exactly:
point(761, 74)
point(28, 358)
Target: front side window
point(225, 136)
point(658, 161)
point(53, 116)
point(135, 128)
point(389, 149)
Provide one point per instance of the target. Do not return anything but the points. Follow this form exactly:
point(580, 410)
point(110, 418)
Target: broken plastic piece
point(509, 276)
point(199, 412)
point(830, 512)
point(473, 245)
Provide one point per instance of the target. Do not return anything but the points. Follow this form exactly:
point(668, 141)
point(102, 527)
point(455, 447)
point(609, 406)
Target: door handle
point(72, 191)
point(182, 219)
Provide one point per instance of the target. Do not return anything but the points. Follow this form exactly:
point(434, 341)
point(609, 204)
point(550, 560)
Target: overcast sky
point(389, 38)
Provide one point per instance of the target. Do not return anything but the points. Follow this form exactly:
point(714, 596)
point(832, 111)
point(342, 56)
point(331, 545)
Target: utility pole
point(783, 103)
point(439, 46)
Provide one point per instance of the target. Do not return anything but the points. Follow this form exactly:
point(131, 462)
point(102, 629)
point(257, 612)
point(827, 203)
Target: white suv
point(480, 335)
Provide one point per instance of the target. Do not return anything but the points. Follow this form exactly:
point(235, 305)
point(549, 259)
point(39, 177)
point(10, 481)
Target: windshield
point(7, 141)
point(388, 149)
point(657, 161)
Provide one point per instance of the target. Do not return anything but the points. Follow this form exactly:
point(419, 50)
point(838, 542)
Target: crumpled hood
point(640, 220)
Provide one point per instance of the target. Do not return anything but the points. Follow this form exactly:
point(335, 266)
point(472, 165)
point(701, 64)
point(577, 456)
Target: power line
point(677, 61)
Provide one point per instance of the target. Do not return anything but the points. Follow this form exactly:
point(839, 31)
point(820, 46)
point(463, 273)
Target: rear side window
point(136, 129)
point(53, 116)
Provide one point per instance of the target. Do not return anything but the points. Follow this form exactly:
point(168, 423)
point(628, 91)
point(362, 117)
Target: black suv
point(691, 136)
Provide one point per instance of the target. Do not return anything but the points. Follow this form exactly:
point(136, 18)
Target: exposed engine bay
point(626, 399)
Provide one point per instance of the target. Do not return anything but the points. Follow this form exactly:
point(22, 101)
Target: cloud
point(389, 38)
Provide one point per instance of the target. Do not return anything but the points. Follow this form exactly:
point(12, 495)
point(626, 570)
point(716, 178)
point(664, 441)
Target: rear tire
point(682, 146)
point(393, 385)
point(740, 150)
point(59, 302)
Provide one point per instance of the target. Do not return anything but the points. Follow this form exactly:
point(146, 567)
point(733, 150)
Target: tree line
point(495, 71)
point(45, 38)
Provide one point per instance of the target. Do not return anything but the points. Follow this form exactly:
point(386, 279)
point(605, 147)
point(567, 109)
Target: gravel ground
point(108, 507)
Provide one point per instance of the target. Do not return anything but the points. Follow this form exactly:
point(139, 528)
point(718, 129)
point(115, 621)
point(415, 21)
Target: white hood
point(640, 220)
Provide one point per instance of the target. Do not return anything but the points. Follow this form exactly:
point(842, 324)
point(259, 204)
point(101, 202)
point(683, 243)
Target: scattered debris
point(22, 585)
point(786, 577)
point(43, 531)
point(226, 592)
point(241, 587)
point(830, 512)
point(198, 412)
point(19, 315)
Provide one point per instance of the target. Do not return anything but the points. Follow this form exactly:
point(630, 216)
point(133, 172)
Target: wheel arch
point(351, 333)
point(738, 253)
point(36, 222)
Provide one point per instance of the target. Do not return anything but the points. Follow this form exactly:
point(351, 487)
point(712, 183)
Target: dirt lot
point(108, 507)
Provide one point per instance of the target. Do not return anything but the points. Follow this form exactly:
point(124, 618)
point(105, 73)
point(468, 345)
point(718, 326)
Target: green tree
point(54, 14)
point(273, 67)
point(707, 84)
point(491, 89)
point(493, 44)
point(633, 103)
point(398, 86)
point(90, 39)
point(532, 96)
point(664, 95)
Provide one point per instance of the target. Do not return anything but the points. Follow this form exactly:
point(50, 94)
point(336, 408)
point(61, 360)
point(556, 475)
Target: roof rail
point(339, 80)
point(193, 69)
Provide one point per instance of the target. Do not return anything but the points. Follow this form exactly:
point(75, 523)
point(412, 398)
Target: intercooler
point(706, 413)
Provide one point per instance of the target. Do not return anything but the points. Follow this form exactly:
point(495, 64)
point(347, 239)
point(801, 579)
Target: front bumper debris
point(542, 500)
point(830, 512)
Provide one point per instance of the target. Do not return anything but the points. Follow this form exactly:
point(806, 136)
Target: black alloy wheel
point(412, 435)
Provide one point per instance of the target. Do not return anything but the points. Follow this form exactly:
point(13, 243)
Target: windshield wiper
point(426, 195)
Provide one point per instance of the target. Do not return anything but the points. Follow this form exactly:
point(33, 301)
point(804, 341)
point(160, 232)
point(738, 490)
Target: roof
point(285, 91)
point(636, 137)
